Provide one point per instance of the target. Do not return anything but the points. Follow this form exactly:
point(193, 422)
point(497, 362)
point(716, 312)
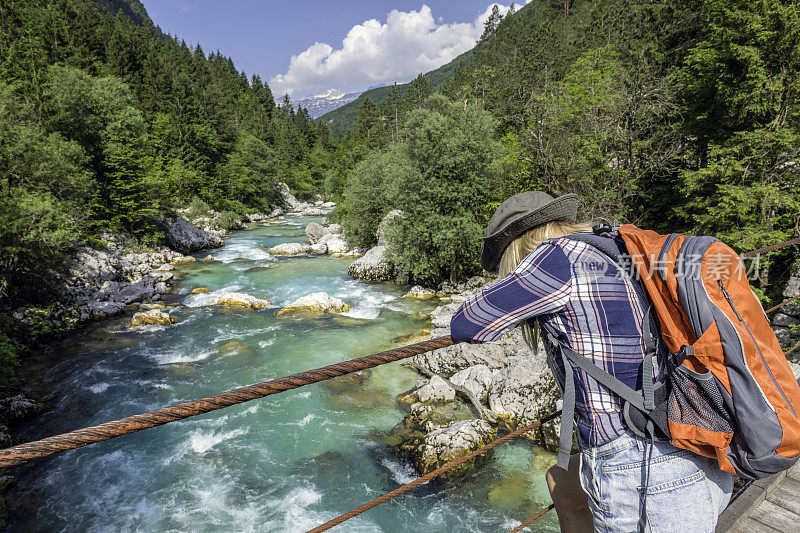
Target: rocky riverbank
point(504, 383)
point(103, 280)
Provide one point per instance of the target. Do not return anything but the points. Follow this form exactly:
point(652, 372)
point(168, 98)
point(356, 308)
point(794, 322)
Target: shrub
point(198, 208)
point(228, 220)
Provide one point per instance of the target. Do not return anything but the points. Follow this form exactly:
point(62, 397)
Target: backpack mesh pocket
point(695, 400)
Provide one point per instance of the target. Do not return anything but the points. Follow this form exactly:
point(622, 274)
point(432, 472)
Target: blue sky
point(307, 47)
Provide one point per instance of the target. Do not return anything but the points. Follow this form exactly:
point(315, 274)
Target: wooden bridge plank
point(748, 525)
point(794, 472)
point(787, 497)
point(776, 517)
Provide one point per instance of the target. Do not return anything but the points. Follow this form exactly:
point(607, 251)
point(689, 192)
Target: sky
point(307, 47)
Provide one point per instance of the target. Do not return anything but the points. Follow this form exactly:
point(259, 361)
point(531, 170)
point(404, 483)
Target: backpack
point(728, 392)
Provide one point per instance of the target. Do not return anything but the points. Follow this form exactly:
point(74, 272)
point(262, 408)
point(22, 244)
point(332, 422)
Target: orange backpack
point(733, 396)
point(725, 389)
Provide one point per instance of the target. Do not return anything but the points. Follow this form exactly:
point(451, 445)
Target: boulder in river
point(290, 248)
point(100, 310)
point(319, 249)
point(315, 304)
point(336, 245)
point(420, 292)
point(234, 348)
point(240, 299)
point(186, 238)
point(315, 232)
point(477, 379)
point(435, 390)
point(524, 391)
point(153, 317)
point(449, 443)
point(373, 266)
point(200, 290)
point(313, 212)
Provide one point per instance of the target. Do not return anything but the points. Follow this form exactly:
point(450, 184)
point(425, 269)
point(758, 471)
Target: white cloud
point(407, 44)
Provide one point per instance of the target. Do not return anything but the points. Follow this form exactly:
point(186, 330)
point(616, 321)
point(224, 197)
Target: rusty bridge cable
point(427, 477)
point(532, 519)
point(792, 349)
point(75, 439)
point(785, 302)
point(772, 248)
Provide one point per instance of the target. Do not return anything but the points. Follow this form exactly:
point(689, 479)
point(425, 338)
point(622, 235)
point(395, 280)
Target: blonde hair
point(524, 245)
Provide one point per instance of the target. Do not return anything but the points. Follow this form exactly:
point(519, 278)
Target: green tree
point(448, 195)
point(739, 93)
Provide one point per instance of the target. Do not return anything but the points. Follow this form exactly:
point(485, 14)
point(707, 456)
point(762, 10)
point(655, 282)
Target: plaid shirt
point(573, 289)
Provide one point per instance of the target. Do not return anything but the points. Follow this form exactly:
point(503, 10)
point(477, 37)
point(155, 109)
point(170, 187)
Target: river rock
point(336, 245)
point(148, 306)
point(144, 289)
point(313, 212)
point(435, 390)
point(153, 317)
point(477, 379)
point(315, 304)
point(420, 292)
point(524, 391)
point(475, 282)
point(200, 290)
point(319, 248)
point(290, 248)
point(240, 299)
point(315, 232)
point(185, 237)
point(290, 201)
point(380, 234)
point(19, 407)
point(234, 348)
point(100, 310)
point(334, 228)
point(329, 205)
point(373, 266)
point(449, 443)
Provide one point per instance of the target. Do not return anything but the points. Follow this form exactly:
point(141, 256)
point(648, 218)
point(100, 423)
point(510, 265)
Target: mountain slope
point(340, 120)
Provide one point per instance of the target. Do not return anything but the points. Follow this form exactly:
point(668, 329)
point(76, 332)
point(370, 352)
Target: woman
point(576, 294)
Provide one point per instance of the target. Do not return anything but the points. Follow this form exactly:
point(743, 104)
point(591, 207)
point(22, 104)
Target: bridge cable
point(427, 477)
point(772, 248)
point(75, 439)
point(785, 302)
point(532, 519)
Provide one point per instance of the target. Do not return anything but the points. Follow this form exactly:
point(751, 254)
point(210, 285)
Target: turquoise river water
point(283, 463)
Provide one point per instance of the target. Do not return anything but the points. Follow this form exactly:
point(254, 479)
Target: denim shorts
point(686, 492)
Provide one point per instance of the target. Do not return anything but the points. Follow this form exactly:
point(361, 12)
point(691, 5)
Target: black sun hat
point(517, 215)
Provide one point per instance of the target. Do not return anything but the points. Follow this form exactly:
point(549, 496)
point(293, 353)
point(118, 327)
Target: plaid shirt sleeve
point(540, 285)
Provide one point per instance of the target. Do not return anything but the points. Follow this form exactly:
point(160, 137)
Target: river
point(284, 463)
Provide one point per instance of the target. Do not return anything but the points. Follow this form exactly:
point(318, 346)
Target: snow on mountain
point(319, 104)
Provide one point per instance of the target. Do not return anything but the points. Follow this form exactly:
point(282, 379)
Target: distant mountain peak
point(333, 94)
point(319, 104)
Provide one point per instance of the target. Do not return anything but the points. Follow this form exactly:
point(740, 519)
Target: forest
point(676, 115)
